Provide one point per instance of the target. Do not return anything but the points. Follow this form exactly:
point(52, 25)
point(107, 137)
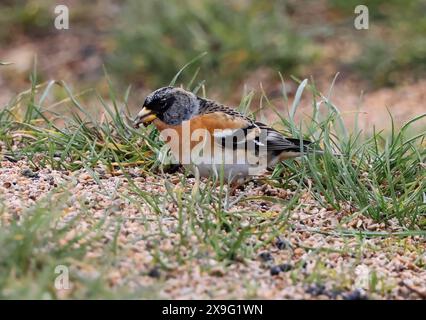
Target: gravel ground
point(311, 251)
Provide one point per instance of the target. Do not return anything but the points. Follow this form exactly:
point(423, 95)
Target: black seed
point(355, 295)
point(266, 256)
point(154, 273)
point(333, 294)
point(285, 267)
point(275, 270)
point(282, 244)
point(316, 289)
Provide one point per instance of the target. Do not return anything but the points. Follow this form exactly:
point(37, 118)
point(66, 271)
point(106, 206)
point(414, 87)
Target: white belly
point(235, 166)
point(229, 172)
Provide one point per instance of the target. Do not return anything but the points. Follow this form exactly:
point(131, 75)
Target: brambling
point(211, 138)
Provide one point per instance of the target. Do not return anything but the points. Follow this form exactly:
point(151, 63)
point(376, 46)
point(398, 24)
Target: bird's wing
point(277, 142)
point(259, 134)
point(255, 132)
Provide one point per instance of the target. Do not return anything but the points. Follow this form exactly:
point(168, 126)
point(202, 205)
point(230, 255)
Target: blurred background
point(145, 43)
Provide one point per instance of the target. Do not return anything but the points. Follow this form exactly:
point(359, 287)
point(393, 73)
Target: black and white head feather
point(173, 105)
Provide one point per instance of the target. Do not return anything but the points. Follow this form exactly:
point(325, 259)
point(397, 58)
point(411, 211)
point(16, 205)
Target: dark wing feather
point(277, 142)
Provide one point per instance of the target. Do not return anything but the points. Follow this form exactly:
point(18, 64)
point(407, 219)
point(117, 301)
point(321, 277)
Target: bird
point(210, 138)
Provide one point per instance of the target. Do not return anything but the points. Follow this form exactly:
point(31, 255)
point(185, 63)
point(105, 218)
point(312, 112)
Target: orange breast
point(183, 138)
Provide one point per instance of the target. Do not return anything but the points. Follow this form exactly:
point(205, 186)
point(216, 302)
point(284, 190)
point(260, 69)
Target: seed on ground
point(316, 289)
point(355, 295)
point(154, 273)
point(275, 270)
point(266, 256)
point(282, 244)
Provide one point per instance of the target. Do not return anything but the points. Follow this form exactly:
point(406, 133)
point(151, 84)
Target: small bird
point(211, 138)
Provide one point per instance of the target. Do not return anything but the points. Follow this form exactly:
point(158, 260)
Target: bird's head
point(170, 105)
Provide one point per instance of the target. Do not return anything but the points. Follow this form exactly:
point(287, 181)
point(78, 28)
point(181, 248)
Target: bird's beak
point(145, 116)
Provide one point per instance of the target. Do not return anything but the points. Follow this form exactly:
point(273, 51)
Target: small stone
point(85, 177)
point(217, 271)
point(7, 185)
point(29, 173)
point(298, 251)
